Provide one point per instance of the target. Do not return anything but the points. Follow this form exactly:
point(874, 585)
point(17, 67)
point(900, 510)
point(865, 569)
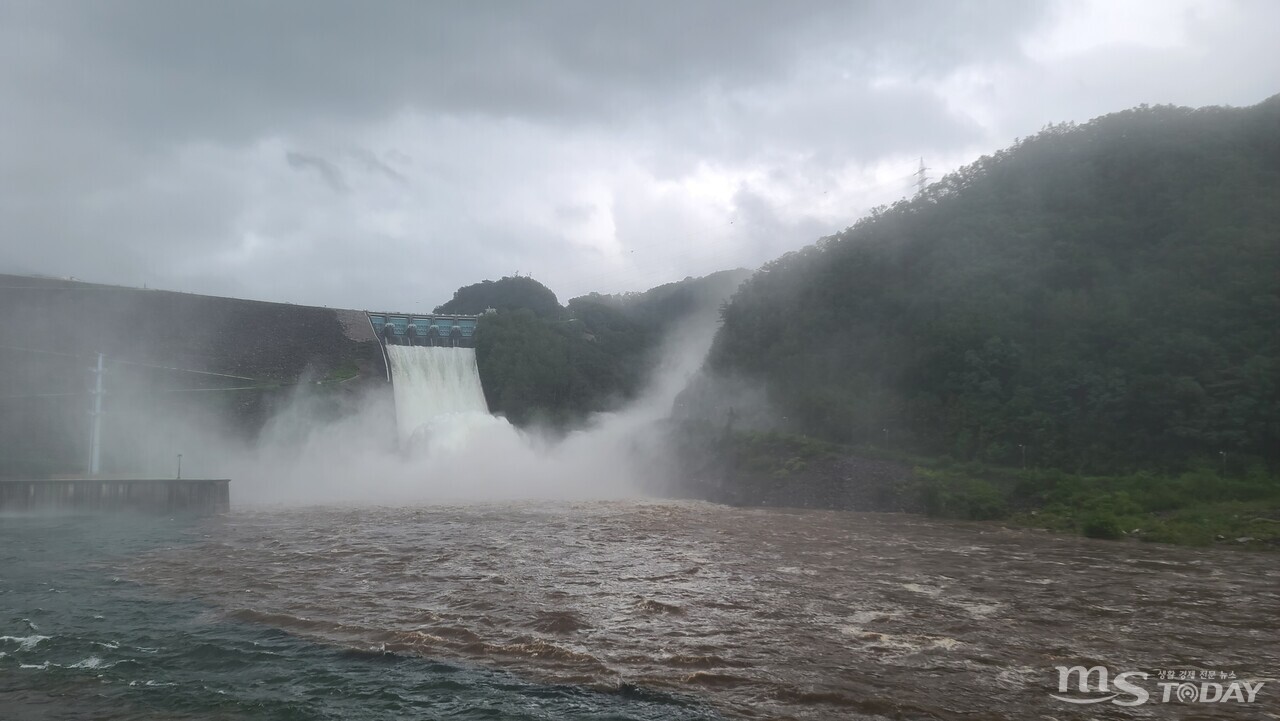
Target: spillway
point(437, 392)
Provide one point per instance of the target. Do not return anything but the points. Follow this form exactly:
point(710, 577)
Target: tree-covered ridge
point(1099, 297)
point(667, 302)
point(556, 367)
point(508, 293)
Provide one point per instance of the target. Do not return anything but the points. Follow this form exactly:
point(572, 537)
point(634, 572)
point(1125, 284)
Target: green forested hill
point(507, 293)
point(541, 363)
point(1102, 297)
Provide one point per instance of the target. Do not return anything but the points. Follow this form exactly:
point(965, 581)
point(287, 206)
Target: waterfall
point(437, 394)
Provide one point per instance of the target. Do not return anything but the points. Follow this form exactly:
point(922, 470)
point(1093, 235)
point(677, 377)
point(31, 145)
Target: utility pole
point(921, 178)
point(95, 430)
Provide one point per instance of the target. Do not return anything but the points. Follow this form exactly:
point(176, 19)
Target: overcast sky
point(381, 154)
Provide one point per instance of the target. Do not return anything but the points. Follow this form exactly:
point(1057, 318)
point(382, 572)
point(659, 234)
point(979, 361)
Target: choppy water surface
point(647, 610)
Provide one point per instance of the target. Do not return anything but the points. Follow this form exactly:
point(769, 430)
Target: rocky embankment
point(766, 469)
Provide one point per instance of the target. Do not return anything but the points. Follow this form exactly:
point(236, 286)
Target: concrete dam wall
point(211, 362)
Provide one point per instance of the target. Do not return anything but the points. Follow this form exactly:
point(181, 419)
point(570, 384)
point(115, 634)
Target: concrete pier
point(152, 495)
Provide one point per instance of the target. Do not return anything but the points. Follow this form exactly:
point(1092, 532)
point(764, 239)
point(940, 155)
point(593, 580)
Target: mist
point(361, 457)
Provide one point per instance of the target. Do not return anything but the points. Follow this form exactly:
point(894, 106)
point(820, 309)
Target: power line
point(80, 285)
point(119, 394)
point(127, 362)
point(215, 390)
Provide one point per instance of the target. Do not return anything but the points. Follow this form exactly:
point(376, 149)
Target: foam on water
point(25, 643)
point(35, 666)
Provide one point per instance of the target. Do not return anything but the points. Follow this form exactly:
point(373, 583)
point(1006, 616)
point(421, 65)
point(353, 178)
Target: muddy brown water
point(764, 613)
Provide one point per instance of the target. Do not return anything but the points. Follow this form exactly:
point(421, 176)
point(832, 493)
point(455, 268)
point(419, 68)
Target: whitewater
point(438, 397)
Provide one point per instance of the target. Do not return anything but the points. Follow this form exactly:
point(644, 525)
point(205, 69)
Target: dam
point(435, 383)
point(234, 365)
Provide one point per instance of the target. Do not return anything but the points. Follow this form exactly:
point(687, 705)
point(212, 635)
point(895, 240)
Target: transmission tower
point(922, 179)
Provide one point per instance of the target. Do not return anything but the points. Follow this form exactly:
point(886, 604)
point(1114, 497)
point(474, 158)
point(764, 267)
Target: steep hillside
point(1098, 298)
point(556, 368)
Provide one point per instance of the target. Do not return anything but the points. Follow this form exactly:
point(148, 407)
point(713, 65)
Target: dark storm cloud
point(234, 68)
point(371, 161)
point(331, 174)
point(761, 224)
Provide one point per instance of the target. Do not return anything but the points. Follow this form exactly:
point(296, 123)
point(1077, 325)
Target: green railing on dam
point(153, 495)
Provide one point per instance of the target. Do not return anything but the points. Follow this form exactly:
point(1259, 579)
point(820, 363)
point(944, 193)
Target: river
point(618, 610)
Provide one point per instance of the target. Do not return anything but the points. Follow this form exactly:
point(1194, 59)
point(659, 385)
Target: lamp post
point(95, 428)
point(179, 466)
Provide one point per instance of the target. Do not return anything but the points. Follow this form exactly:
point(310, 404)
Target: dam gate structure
point(449, 331)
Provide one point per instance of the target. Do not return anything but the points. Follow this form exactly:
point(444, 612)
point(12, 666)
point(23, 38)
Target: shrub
point(1101, 525)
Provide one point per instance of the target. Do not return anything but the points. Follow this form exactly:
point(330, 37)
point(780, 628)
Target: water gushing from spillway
point(451, 449)
point(438, 396)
